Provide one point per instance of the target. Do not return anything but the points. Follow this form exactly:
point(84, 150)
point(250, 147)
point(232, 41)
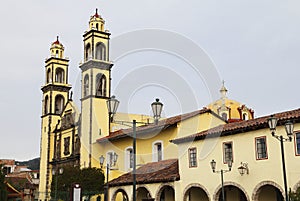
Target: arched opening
point(49, 80)
point(100, 52)
point(195, 193)
point(46, 105)
point(100, 85)
point(231, 192)
point(245, 116)
point(97, 26)
point(59, 75)
point(142, 194)
point(166, 193)
point(88, 52)
point(224, 116)
point(120, 195)
point(268, 192)
point(59, 104)
point(86, 85)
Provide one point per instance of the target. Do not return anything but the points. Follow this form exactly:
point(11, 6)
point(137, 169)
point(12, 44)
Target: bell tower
point(95, 88)
point(55, 95)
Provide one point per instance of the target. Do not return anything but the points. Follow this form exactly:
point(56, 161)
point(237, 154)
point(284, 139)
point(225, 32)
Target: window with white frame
point(297, 145)
point(157, 150)
point(261, 148)
point(227, 152)
point(128, 158)
point(192, 157)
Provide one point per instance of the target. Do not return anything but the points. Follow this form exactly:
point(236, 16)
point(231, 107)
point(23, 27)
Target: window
point(46, 103)
point(227, 150)
point(297, 141)
point(157, 151)
point(100, 52)
point(128, 158)
point(86, 85)
point(192, 157)
point(67, 145)
point(88, 52)
point(245, 116)
point(59, 75)
point(59, 104)
point(100, 85)
point(49, 80)
point(261, 148)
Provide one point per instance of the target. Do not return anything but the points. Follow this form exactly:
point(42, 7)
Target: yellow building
point(173, 156)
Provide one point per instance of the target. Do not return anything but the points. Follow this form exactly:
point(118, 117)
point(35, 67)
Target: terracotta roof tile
point(243, 126)
point(162, 171)
point(162, 125)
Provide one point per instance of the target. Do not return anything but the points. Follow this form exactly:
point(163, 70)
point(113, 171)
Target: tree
point(91, 181)
point(3, 189)
point(294, 196)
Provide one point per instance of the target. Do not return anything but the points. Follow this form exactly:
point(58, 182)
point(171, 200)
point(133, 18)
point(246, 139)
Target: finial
point(57, 38)
point(96, 11)
point(223, 90)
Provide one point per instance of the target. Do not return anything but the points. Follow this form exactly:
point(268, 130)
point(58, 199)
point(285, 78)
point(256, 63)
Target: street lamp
point(112, 106)
point(289, 128)
point(109, 164)
point(213, 165)
point(54, 173)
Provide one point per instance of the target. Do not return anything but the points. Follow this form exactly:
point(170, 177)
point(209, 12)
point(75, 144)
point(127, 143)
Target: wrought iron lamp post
point(289, 128)
point(213, 165)
point(109, 164)
point(112, 106)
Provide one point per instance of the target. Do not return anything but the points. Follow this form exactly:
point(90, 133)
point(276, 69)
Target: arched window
point(88, 52)
point(245, 116)
point(49, 80)
point(86, 85)
point(59, 75)
point(100, 85)
point(46, 105)
point(59, 104)
point(100, 52)
point(56, 53)
point(157, 151)
point(97, 27)
point(128, 158)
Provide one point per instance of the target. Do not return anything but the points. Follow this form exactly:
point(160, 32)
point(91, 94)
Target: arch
point(86, 85)
point(100, 85)
point(143, 193)
point(259, 187)
point(88, 52)
point(245, 116)
point(48, 76)
point(165, 192)
point(59, 104)
point(120, 192)
point(100, 51)
point(233, 188)
point(59, 75)
point(195, 186)
point(157, 151)
point(224, 116)
point(46, 104)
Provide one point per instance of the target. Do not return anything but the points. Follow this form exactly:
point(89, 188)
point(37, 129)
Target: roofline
point(219, 131)
point(145, 130)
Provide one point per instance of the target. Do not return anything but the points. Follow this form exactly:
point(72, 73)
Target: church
point(150, 158)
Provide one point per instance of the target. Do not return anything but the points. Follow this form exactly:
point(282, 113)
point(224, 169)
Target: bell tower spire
point(96, 85)
point(55, 95)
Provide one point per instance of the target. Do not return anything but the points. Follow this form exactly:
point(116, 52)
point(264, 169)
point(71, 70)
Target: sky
point(253, 45)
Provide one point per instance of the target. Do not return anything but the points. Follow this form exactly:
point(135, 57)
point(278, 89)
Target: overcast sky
point(254, 46)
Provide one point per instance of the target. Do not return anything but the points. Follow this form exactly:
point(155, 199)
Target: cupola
point(96, 22)
point(57, 49)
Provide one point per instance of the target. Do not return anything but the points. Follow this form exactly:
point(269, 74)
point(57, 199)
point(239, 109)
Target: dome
point(230, 110)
